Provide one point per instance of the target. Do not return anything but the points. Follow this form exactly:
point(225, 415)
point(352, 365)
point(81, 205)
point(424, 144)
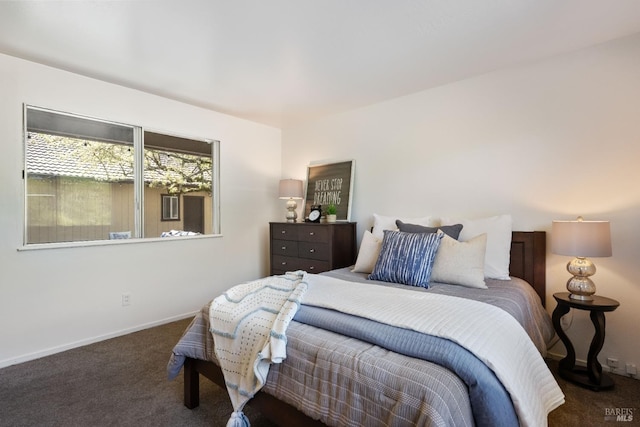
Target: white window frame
point(170, 207)
point(138, 147)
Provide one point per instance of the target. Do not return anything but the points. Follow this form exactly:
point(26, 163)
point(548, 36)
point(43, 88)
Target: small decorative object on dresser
point(581, 239)
point(311, 247)
point(291, 189)
point(331, 213)
point(314, 214)
point(591, 376)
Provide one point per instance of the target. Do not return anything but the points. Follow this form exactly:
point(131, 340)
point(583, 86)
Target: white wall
point(544, 141)
point(58, 298)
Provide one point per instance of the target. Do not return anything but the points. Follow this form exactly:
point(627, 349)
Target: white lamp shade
point(290, 189)
point(581, 238)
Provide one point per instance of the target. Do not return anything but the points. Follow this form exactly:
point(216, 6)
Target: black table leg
point(568, 363)
point(590, 376)
point(594, 368)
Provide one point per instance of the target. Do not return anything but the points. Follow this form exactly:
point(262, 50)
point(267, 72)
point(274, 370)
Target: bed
point(315, 384)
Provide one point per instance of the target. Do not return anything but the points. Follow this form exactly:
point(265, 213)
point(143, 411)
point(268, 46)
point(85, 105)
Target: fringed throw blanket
point(249, 323)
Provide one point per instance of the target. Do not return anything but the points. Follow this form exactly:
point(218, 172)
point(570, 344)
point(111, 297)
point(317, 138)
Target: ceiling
point(282, 62)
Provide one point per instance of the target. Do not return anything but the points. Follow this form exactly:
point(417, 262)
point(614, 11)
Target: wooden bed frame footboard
point(528, 262)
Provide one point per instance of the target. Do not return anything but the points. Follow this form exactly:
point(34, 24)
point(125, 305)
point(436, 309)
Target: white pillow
point(381, 223)
point(368, 253)
point(498, 229)
point(460, 263)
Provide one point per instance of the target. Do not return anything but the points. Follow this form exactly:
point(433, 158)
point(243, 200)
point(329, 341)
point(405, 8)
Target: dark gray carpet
point(118, 382)
point(122, 382)
point(584, 407)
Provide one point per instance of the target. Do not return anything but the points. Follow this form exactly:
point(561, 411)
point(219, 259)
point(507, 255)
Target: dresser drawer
point(285, 263)
point(310, 233)
point(285, 231)
point(282, 264)
point(284, 248)
point(313, 266)
point(313, 250)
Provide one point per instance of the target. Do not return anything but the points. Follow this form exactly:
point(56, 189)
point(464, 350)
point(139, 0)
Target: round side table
point(592, 376)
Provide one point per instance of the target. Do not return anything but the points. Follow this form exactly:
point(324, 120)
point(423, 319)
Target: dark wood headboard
point(528, 259)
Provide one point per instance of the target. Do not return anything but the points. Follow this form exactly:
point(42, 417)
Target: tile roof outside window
point(62, 156)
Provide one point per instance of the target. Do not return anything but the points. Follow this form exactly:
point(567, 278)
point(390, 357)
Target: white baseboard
point(58, 349)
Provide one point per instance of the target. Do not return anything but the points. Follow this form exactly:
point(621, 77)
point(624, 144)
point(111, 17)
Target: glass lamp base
point(292, 215)
point(580, 285)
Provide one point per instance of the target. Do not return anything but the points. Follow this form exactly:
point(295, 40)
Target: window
point(89, 179)
point(170, 208)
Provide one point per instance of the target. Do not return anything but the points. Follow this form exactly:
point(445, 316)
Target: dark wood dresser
point(312, 247)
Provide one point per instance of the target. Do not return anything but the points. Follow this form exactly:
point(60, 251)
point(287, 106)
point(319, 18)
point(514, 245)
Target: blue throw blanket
point(490, 402)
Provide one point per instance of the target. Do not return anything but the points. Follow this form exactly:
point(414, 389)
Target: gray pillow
point(452, 231)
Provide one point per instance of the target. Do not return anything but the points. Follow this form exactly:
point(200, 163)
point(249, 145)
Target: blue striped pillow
point(406, 258)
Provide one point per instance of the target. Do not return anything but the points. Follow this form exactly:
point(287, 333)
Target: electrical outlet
point(126, 299)
point(612, 362)
point(631, 369)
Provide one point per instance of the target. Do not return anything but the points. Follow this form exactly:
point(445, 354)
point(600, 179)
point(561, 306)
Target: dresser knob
point(284, 248)
point(311, 233)
point(311, 268)
point(283, 263)
point(312, 250)
point(284, 232)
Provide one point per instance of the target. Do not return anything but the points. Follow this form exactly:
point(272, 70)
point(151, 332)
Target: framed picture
point(330, 183)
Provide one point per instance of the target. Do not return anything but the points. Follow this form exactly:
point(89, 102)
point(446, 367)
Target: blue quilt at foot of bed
point(490, 402)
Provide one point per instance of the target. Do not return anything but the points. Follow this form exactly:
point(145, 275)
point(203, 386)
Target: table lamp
point(581, 239)
point(291, 189)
